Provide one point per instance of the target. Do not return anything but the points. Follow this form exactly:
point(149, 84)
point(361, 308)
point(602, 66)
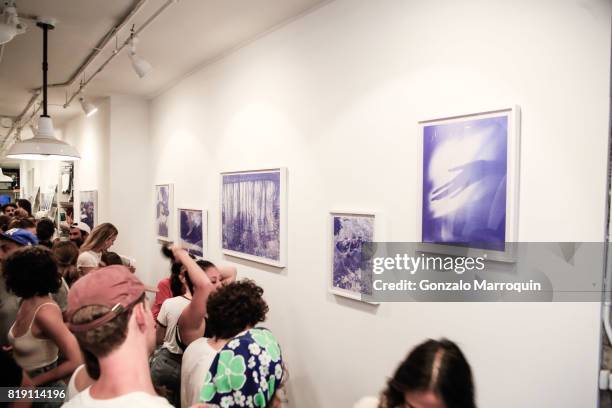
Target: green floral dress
point(245, 373)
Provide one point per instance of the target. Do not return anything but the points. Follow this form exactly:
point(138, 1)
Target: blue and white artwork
point(350, 272)
point(252, 215)
point(192, 225)
point(89, 208)
point(465, 176)
point(163, 210)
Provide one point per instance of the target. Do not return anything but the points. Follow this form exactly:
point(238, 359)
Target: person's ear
point(140, 315)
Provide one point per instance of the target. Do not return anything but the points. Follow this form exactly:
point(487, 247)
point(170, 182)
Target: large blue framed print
point(469, 178)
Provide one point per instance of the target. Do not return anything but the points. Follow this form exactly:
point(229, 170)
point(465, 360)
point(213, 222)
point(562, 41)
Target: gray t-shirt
point(9, 304)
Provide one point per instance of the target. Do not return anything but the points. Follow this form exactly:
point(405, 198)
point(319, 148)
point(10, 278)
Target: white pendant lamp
point(10, 25)
point(5, 179)
point(44, 145)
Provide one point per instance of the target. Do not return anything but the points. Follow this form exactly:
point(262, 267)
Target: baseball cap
point(113, 286)
point(82, 226)
point(19, 236)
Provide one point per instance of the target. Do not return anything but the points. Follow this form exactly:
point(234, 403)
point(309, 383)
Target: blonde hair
point(102, 233)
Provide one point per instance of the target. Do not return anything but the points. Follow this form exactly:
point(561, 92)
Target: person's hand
point(177, 251)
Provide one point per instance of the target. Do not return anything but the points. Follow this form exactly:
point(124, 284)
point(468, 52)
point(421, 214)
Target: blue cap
point(20, 236)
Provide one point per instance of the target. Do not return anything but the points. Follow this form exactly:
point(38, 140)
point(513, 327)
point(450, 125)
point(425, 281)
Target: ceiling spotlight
point(10, 25)
point(140, 65)
point(88, 107)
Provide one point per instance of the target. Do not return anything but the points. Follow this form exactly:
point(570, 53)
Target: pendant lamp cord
point(45, 66)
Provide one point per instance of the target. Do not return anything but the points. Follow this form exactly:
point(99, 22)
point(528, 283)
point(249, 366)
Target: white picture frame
point(333, 287)
point(512, 155)
point(164, 212)
point(87, 199)
point(183, 237)
point(268, 247)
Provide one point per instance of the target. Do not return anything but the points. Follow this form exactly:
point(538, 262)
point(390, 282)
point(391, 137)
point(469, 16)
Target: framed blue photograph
point(88, 203)
point(164, 208)
point(192, 227)
point(254, 215)
point(469, 172)
point(351, 275)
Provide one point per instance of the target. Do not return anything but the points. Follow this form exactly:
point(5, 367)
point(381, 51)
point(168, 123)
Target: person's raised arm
point(49, 320)
point(192, 318)
point(228, 274)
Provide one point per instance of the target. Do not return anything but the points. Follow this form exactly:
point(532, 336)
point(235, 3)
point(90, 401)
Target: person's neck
point(124, 371)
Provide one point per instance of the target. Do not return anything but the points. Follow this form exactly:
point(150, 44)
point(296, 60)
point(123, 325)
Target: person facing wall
point(66, 254)
point(232, 309)
point(109, 315)
point(45, 228)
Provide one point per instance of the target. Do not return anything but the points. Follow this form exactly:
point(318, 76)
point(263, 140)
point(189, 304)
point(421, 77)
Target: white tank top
point(72, 390)
point(31, 352)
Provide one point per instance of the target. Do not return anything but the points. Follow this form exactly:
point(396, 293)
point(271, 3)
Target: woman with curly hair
point(435, 374)
point(39, 332)
point(232, 309)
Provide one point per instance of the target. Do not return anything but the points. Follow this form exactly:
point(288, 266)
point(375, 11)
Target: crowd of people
point(75, 317)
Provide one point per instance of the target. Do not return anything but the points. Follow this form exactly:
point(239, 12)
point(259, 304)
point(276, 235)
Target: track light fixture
point(88, 107)
point(140, 65)
point(10, 25)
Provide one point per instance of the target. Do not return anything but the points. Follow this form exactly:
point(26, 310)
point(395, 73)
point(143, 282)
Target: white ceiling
point(187, 35)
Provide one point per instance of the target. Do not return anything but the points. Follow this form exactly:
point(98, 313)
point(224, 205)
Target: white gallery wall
point(335, 97)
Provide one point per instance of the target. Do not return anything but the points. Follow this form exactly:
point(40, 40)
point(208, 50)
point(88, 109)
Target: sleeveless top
point(31, 352)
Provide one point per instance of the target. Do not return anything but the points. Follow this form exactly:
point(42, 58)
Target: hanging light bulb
point(140, 65)
point(44, 145)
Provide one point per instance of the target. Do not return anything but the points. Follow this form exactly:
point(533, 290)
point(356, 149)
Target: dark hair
point(111, 258)
point(31, 271)
point(102, 340)
point(23, 223)
point(437, 366)
point(5, 220)
point(205, 264)
point(176, 286)
point(45, 229)
point(5, 206)
point(234, 307)
point(92, 366)
point(66, 254)
point(25, 204)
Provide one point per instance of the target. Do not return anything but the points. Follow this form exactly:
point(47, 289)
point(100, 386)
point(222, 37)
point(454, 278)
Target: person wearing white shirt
point(108, 313)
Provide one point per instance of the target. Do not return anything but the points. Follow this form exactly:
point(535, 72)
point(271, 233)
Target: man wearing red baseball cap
point(108, 314)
